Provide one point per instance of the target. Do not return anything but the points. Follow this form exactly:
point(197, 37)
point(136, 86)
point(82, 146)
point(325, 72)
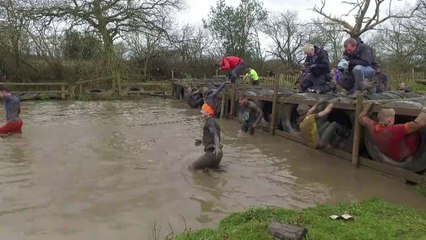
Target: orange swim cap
point(209, 110)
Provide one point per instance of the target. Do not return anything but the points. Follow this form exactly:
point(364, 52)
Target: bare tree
point(110, 18)
point(328, 35)
point(13, 27)
point(364, 21)
point(286, 32)
point(145, 46)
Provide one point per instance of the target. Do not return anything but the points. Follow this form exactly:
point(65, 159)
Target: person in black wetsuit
point(252, 114)
point(210, 98)
point(193, 96)
point(211, 141)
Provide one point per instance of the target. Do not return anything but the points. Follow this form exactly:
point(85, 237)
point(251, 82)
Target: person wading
point(211, 141)
point(13, 109)
point(252, 114)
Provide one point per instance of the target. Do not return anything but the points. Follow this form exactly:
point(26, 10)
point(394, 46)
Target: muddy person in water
point(251, 114)
point(13, 109)
point(211, 141)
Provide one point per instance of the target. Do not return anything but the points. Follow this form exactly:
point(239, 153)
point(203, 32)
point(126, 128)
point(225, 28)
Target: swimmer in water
point(13, 109)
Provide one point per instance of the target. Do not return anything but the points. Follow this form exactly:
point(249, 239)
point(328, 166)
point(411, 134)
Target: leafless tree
point(110, 19)
point(364, 21)
point(286, 32)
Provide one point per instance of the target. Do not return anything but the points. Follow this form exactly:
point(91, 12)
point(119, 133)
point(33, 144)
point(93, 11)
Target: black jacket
point(320, 61)
point(364, 55)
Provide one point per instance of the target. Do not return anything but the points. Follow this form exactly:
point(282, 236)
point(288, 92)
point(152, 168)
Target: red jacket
point(230, 62)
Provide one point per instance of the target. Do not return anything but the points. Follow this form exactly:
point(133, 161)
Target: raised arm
point(326, 111)
point(363, 116)
point(418, 123)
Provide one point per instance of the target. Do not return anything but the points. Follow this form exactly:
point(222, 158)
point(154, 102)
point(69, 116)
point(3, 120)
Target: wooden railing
point(62, 88)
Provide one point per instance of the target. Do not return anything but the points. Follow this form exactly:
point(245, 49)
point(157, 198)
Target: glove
point(198, 142)
point(343, 65)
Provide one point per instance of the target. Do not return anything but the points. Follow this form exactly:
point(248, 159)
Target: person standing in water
point(211, 141)
point(13, 109)
point(251, 115)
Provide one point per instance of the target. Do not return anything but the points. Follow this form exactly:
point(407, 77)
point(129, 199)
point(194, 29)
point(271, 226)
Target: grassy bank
point(374, 219)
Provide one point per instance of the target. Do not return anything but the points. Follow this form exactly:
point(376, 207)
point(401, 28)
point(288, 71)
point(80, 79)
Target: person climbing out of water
point(252, 114)
point(251, 74)
point(315, 129)
point(13, 109)
point(211, 141)
point(210, 98)
point(233, 63)
point(193, 96)
point(398, 142)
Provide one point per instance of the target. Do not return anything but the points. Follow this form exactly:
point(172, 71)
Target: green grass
point(374, 219)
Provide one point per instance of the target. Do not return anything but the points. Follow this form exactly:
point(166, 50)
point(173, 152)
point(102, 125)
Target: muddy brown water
point(89, 170)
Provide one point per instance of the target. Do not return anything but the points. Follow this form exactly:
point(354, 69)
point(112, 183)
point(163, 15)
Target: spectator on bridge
point(315, 129)
point(252, 75)
point(398, 142)
point(13, 109)
point(252, 114)
point(358, 64)
point(235, 64)
point(317, 70)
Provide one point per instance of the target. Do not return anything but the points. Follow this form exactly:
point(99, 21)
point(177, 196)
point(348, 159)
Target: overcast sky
point(196, 10)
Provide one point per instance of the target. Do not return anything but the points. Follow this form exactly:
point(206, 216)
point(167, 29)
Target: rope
point(168, 122)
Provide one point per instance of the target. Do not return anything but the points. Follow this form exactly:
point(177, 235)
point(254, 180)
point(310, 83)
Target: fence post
point(173, 75)
point(274, 104)
point(222, 106)
point(63, 93)
point(357, 131)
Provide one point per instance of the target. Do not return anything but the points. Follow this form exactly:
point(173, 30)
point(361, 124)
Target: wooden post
point(412, 76)
point(357, 131)
point(233, 95)
point(275, 105)
point(222, 107)
point(63, 93)
point(173, 75)
point(217, 73)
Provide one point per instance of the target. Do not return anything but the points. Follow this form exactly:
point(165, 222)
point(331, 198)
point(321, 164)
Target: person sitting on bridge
point(252, 114)
point(210, 97)
point(358, 64)
point(13, 109)
point(211, 140)
point(233, 63)
point(252, 75)
point(315, 129)
point(193, 96)
point(398, 142)
point(317, 69)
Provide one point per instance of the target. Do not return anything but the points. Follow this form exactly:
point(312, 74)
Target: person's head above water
point(386, 116)
point(207, 111)
point(302, 109)
point(4, 91)
point(243, 99)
